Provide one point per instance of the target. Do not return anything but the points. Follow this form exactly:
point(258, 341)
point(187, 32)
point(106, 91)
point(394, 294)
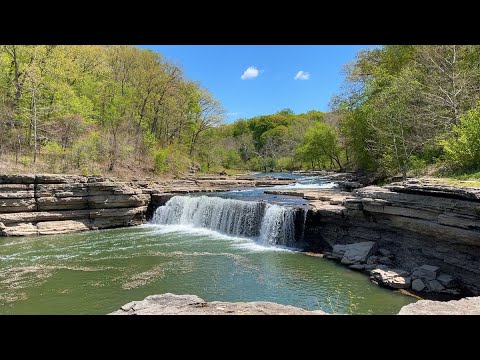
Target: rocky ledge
point(171, 304)
point(466, 306)
point(424, 237)
point(54, 204)
point(46, 204)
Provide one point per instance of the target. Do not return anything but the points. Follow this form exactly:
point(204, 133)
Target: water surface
point(96, 272)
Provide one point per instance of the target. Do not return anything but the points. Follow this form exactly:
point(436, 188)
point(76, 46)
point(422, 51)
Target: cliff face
point(418, 224)
point(54, 204)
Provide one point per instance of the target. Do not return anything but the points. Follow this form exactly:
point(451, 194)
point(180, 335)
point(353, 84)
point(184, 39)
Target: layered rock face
point(55, 204)
point(420, 225)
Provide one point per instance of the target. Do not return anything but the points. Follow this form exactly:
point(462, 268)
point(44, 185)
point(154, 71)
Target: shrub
point(463, 149)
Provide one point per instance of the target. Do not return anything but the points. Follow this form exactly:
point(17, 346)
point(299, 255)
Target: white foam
point(328, 185)
point(237, 242)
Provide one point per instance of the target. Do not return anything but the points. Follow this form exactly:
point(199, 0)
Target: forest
point(402, 110)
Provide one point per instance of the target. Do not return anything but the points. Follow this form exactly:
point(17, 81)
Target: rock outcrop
point(55, 204)
point(465, 306)
point(46, 204)
point(171, 304)
point(416, 224)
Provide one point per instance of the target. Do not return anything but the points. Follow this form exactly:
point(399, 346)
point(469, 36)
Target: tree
point(450, 82)
point(321, 145)
point(208, 113)
point(462, 150)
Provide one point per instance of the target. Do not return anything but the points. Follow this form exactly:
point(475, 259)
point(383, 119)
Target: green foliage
point(320, 146)
point(232, 159)
point(107, 107)
point(53, 154)
point(263, 143)
point(462, 150)
point(402, 101)
point(417, 165)
point(172, 161)
point(161, 160)
point(85, 153)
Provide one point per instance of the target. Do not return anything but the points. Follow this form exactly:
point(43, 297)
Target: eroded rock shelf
point(47, 204)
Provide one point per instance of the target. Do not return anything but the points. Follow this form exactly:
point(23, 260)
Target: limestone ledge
point(171, 304)
point(54, 204)
point(419, 224)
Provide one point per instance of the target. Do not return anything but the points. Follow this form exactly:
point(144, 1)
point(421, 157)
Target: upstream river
point(219, 247)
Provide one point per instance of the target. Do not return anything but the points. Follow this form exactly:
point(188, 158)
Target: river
point(218, 247)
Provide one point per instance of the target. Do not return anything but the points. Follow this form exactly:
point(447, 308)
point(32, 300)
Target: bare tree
point(209, 114)
point(449, 84)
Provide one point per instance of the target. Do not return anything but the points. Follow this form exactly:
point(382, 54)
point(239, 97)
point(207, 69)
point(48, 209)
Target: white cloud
point(233, 113)
point(251, 73)
point(302, 75)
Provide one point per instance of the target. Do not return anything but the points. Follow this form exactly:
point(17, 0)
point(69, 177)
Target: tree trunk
point(34, 105)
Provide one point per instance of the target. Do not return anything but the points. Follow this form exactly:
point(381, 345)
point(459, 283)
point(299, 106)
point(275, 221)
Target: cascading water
point(278, 225)
point(269, 223)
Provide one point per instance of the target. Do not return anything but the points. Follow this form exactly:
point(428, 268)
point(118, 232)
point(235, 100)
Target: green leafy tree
point(462, 150)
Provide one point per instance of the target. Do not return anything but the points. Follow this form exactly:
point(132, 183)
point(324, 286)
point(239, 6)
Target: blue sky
point(268, 73)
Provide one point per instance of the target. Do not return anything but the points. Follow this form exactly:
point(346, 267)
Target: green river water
point(96, 272)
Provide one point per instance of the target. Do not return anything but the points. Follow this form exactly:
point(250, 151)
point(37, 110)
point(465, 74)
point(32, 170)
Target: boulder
point(447, 280)
point(426, 272)
point(358, 252)
point(372, 260)
point(394, 278)
point(339, 250)
point(434, 286)
point(418, 285)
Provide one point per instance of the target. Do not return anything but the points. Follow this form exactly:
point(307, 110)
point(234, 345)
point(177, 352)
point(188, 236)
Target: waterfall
point(278, 225)
point(269, 224)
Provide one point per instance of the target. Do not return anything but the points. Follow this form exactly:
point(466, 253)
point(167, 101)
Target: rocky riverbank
point(171, 304)
point(46, 204)
point(424, 238)
point(421, 237)
point(466, 306)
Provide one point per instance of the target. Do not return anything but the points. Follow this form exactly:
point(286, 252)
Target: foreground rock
point(171, 304)
point(466, 306)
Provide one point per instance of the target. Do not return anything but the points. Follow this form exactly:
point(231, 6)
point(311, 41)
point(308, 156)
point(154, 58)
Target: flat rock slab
point(358, 252)
point(171, 304)
point(466, 306)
